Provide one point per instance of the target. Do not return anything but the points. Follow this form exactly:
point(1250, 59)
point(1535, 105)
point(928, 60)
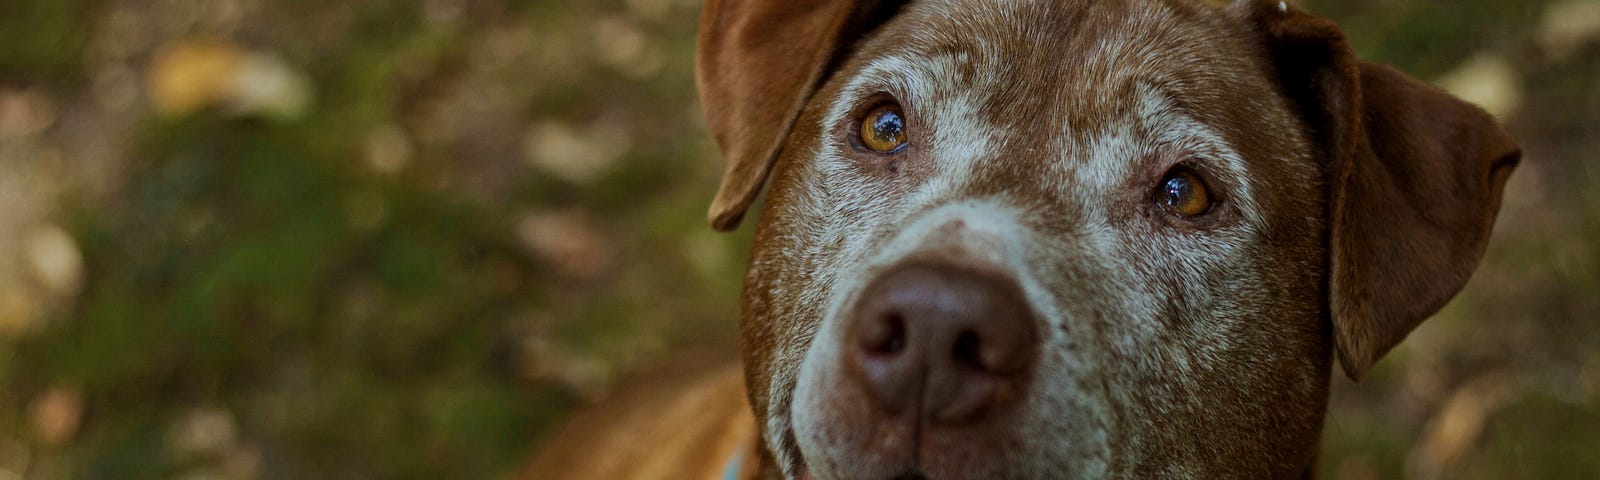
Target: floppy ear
point(759, 62)
point(1414, 178)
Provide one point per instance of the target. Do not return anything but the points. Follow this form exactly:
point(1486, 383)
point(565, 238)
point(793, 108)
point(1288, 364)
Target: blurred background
point(338, 239)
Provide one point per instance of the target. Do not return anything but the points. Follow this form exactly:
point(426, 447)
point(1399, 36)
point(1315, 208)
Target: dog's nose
point(949, 342)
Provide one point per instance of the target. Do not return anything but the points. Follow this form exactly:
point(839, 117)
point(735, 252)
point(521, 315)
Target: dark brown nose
point(950, 342)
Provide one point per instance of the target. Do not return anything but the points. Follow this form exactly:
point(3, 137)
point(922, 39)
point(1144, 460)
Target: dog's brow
point(1172, 124)
point(915, 75)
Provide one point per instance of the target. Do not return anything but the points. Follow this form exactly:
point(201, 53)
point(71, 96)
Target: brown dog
point(1056, 239)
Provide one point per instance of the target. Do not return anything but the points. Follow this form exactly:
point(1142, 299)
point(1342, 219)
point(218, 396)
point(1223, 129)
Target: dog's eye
point(1182, 192)
point(883, 129)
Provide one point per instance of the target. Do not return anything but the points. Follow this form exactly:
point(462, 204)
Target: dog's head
point(1064, 239)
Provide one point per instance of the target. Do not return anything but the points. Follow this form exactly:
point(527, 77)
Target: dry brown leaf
point(195, 74)
point(57, 414)
point(1489, 81)
point(24, 113)
point(205, 431)
point(1568, 26)
point(55, 259)
point(1453, 433)
point(570, 241)
point(19, 312)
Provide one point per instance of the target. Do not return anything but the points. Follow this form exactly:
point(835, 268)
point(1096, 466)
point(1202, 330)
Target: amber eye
point(883, 129)
point(1182, 192)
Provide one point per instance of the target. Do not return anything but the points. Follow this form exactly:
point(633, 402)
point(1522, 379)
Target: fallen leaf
point(57, 414)
point(388, 150)
point(19, 312)
point(1489, 81)
point(205, 431)
point(55, 259)
point(195, 74)
point(568, 240)
point(14, 458)
point(576, 155)
point(1567, 27)
point(24, 113)
point(1454, 431)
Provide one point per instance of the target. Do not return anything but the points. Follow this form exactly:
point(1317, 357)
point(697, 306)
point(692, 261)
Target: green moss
point(1540, 437)
point(43, 41)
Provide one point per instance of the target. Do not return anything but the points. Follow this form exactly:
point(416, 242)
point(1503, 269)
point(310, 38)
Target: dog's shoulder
point(671, 423)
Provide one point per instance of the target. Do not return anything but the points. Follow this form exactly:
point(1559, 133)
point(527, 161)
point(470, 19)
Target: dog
point(1055, 239)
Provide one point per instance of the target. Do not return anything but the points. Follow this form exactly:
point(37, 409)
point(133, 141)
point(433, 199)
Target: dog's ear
point(1414, 179)
point(759, 62)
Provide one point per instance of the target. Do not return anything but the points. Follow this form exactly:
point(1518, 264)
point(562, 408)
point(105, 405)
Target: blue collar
point(731, 472)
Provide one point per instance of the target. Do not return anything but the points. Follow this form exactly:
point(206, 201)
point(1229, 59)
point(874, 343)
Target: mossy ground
point(346, 317)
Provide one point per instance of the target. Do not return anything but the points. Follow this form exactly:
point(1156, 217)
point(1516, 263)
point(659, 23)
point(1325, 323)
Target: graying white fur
point(852, 230)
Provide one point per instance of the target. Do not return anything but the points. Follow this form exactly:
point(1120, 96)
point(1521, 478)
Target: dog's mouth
point(805, 474)
point(798, 461)
point(803, 471)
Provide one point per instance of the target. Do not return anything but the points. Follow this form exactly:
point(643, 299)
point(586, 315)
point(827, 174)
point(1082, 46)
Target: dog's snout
point(949, 343)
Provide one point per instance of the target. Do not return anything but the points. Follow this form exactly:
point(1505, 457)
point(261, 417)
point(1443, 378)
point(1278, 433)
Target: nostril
point(897, 334)
point(967, 351)
point(887, 336)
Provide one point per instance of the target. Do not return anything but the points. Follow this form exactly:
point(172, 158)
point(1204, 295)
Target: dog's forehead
point(1068, 102)
point(1066, 66)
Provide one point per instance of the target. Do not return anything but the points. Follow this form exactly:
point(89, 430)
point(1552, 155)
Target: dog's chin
point(864, 464)
point(798, 469)
point(911, 475)
point(804, 473)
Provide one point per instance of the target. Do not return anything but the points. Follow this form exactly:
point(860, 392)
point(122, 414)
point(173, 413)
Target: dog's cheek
point(775, 325)
point(1232, 359)
point(802, 249)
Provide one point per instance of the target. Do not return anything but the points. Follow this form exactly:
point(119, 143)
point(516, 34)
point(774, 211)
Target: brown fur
point(1418, 176)
point(1371, 197)
point(684, 422)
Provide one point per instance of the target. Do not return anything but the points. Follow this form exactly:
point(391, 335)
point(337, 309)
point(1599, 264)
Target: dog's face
point(1040, 139)
point(1069, 239)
